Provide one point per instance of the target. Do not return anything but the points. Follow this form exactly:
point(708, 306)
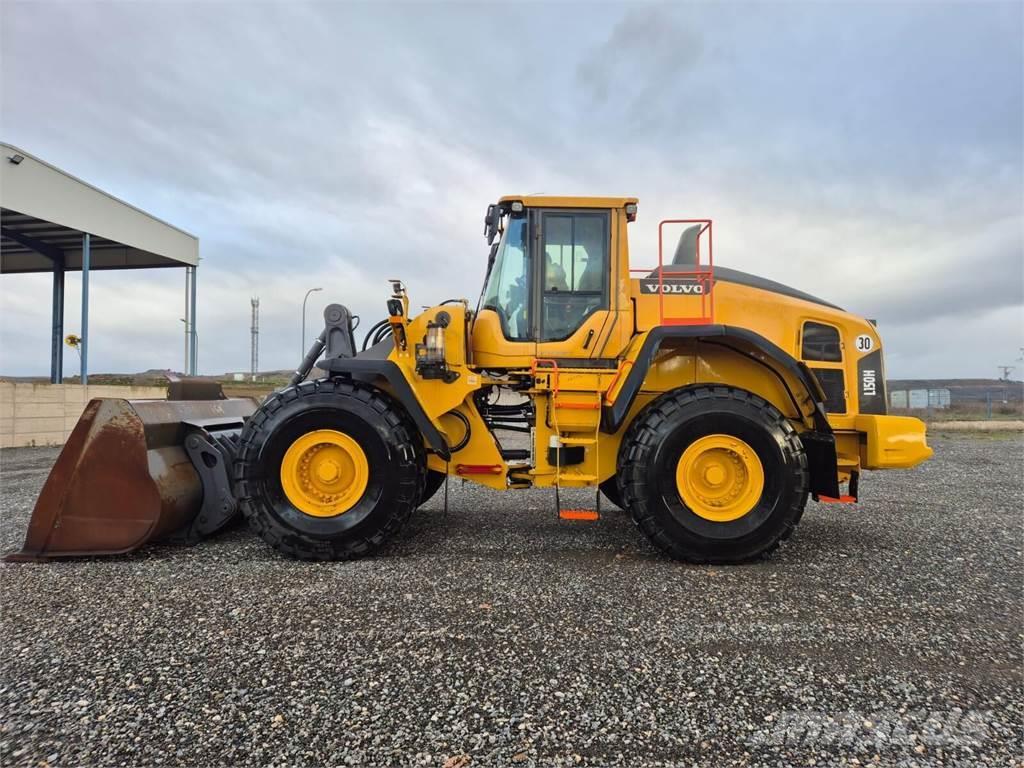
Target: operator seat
point(592, 278)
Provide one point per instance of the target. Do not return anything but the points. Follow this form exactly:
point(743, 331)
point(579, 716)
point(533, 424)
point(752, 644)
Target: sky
point(870, 154)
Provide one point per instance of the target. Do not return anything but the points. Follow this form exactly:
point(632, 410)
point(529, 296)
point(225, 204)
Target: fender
point(364, 369)
point(819, 443)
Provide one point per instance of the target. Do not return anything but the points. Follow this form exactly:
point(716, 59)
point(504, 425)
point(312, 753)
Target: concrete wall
point(45, 414)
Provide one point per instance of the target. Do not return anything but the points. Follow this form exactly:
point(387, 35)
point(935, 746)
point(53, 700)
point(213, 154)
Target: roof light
point(630, 211)
point(516, 206)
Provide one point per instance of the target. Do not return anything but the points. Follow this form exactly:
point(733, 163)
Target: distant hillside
point(153, 377)
point(965, 389)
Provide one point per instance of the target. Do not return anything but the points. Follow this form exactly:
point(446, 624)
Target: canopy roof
point(44, 211)
point(568, 201)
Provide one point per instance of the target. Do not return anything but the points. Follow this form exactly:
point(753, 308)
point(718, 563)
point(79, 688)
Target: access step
point(577, 440)
point(589, 515)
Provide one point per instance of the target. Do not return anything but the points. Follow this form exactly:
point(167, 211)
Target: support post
point(185, 319)
point(57, 328)
point(194, 356)
point(85, 308)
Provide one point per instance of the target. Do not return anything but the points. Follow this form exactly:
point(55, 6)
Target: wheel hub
point(719, 478)
point(324, 473)
point(328, 471)
point(714, 475)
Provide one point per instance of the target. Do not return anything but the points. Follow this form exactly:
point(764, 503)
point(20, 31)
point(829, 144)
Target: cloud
point(869, 154)
point(644, 57)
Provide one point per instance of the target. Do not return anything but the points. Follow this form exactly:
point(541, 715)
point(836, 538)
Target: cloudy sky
point(867, 153)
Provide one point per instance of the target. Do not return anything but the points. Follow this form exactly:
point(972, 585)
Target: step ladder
point(586, 442)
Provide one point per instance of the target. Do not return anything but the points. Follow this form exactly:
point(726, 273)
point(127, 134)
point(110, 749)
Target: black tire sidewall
point(725, 420)
point(431, 486)
point(648, 476)
point(395, 471)
point(610, 489)
point(359, 422)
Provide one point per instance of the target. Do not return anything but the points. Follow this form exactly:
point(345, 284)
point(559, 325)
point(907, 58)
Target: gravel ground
point(886, 633)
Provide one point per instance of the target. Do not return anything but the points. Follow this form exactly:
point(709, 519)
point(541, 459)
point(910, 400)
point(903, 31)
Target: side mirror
point(492, 222)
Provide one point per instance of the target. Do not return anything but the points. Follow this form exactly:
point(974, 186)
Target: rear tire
point(650, 457)
point(432, 485)
point(392, 480)
point(610, 489)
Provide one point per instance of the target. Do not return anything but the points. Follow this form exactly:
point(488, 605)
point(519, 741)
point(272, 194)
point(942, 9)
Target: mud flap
point(822, 463)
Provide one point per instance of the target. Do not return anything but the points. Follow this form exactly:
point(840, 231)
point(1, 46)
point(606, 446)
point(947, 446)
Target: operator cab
point(550, 274)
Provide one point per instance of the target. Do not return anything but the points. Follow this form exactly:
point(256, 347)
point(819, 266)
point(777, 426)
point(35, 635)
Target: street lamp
point(302, 352)
point(185, 371)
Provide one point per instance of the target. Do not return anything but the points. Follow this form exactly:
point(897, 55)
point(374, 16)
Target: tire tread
point(406, 446)
point(644, 434)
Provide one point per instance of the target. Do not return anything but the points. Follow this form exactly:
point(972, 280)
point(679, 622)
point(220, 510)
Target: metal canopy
point(51, 221)
point(53, 208)
point(21, 236)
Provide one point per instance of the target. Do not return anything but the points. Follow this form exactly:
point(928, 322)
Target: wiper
point(492, 256)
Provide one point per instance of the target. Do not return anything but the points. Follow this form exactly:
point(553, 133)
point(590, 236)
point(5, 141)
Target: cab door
point(572, 265)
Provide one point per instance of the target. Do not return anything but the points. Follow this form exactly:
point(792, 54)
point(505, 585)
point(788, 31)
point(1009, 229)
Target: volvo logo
point(674, 287)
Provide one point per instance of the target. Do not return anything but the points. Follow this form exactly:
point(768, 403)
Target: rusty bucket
point(125, 478)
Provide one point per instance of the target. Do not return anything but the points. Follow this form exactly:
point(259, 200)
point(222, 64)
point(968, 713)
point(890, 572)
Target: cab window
point(821, 343)
point(574, 280)
point(507, 291)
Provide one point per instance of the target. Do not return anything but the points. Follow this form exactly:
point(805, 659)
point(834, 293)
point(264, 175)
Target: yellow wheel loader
point(707, 402)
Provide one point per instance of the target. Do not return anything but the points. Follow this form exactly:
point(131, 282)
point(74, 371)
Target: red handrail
point(703, 276)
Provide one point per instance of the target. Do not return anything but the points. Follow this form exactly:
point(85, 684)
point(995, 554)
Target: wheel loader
point(707, 402)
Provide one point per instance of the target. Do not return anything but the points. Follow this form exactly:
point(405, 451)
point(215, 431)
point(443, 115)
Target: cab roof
point(568, 201)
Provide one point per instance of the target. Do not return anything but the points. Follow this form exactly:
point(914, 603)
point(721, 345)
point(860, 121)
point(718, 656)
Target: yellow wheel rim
point(324, 473)
point(720, 478)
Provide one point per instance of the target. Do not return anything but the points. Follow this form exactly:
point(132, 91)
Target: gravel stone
point(887, 633)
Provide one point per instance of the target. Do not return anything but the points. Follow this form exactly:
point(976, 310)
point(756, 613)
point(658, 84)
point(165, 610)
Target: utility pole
point(255, 331)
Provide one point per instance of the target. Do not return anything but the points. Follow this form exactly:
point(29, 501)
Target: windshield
point(507, 288)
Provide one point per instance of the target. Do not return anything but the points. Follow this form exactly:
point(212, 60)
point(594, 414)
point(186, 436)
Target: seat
point(592, 278)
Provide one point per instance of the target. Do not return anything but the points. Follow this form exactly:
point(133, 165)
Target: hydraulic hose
point(377, 333)
point(465, 438)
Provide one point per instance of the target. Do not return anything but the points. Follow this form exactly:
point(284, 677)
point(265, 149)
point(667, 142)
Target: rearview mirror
point(492, 222)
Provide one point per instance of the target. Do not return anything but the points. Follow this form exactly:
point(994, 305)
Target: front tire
point(713, 475)
point(329, 470)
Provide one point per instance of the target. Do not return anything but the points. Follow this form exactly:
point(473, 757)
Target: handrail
point(702, 275)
